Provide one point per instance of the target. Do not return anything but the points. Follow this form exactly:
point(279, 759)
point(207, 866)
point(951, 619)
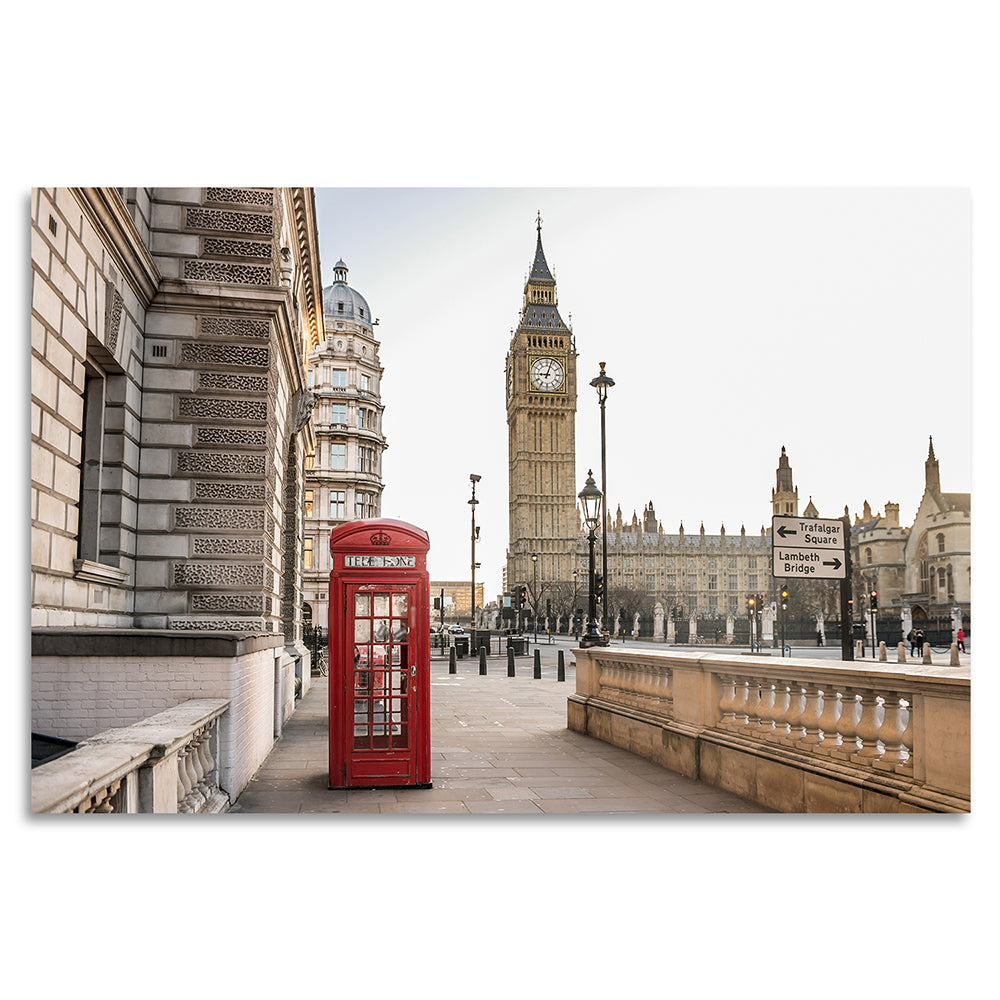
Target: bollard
point(452, 669)
point(881, 652)
point(482, 660)
point(538, 665)
point(561, 669)
point(859, 650)
point(901, 653)
point(953, 661)
point(927, 652)
point(510, 661)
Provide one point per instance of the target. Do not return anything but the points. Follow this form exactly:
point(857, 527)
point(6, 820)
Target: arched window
point(940, 541)
point(868, 556)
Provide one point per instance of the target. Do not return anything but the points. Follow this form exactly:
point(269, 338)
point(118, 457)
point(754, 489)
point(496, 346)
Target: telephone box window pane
point(380, 655)
point(400, 630)
point(381, 629)
point(362, 630)
point(381, 606)
point(361, 605)
point(399, 605)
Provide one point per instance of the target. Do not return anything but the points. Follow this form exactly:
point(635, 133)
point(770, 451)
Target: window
point(310, 462)
point(365, 383)
point(91, 463)
point(732, 581)
point(307, 553)
point(628, 563)
point(338, 413)
point(364, 505)
point(868, 555)
point(671, 581)
point(713, 582)
point(650, 581)
point(338, 505)
point(692, 582)
point(338, 377)
point(752, 562)
point(941, 579)
point(340, 307)
point(308, 503)
point(338, 456)
point(753, 581)
point(940, 541)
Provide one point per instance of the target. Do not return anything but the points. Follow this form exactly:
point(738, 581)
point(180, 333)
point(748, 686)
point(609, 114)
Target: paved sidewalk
point(499, 745)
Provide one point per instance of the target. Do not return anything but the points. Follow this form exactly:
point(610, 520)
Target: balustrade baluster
point(829, 720)
point(869, 726)
point(907, 740)
point(796, 706)
point(742, 699)
point(727, 702)
point(753, 701)
point(894, 722)
point(183, 781)
point(195, 798)
point(811, 714)
point(847, 725)
point(779, 714)
point(208, 762)
point(765, 709)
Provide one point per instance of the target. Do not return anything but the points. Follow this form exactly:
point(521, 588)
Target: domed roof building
point(344, 475)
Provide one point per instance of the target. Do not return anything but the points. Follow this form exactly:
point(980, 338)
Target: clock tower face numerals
point(548, 374)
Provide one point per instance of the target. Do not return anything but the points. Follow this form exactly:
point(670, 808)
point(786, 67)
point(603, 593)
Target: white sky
point(835, 322)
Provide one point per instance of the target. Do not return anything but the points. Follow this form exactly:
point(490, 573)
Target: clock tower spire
point(541, 421)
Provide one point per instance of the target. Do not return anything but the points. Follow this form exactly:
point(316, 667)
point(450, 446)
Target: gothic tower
point(541, 422)
point(784, 499)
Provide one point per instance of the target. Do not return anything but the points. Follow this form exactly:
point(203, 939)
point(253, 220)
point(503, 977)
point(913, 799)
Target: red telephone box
point(380, 654)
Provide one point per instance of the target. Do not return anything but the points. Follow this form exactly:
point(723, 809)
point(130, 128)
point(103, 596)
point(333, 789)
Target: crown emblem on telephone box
point(380, 538)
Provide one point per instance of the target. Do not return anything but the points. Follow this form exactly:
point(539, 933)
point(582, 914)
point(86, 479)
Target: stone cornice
point(109, 216)
point(304, 208)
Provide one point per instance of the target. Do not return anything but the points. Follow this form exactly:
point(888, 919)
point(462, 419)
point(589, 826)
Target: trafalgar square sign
point(809, 547)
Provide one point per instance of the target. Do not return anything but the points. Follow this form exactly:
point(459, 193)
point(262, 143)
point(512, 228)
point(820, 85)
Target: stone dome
point(340, 301)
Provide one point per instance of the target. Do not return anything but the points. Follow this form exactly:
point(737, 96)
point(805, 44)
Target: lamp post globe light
point(591, 498)
point(602, 383)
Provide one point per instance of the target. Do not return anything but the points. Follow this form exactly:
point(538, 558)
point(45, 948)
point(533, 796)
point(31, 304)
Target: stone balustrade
point(167, 763)
point(794, 734)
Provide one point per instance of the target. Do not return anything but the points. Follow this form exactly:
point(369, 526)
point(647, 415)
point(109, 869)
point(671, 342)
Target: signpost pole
point(846, 623)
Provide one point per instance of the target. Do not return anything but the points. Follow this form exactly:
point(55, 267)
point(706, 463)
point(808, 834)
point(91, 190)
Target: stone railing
point(167, 763)
point(793, 734)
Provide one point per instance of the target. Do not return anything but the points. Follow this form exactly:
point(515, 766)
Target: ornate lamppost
point(602, 383)
point(591, 498)
point(534, 592)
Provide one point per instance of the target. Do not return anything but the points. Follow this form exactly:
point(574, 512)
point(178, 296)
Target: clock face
point(547, 373)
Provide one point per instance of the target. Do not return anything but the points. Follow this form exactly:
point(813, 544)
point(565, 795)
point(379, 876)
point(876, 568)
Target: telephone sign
point(808, 547)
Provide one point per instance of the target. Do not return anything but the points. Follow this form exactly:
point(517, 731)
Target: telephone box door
point(383, 702)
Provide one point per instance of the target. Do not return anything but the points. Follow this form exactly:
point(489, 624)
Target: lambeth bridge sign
point(808, 547)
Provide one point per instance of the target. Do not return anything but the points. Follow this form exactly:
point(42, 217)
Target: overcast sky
point(735, 321)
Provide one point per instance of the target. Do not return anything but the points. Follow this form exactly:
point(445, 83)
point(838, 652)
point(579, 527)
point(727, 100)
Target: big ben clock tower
point(541, 422)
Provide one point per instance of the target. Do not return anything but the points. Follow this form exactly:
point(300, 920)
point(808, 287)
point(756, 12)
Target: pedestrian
point(920, 642)
point(819, 638)
point(911, 637)
point(961, 639)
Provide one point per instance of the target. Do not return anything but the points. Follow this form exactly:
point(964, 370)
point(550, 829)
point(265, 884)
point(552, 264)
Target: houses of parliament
point(923, 570)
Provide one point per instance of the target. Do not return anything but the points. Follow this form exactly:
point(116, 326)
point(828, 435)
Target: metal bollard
point(452, 668)
point(510, 661)
point(561, 668)
point(538, 665)
point(482, 660)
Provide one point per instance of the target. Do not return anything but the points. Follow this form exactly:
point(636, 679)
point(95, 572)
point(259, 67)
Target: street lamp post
point(572, 609)
point(534, 592)
point(591, 497)
point(602, 383)
point(473, 478)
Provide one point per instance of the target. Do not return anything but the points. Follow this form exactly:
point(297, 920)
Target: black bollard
point(482, 660)
point(452, 668)
point(510, 661)
point(561, 669)
point(538, 665)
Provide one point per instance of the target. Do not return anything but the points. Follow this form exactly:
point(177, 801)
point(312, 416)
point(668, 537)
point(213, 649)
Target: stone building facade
point(170, 420)
point(344, 471)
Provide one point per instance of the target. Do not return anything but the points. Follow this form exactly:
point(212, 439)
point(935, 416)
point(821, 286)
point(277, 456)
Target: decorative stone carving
point(220, 463)
point(229, 380)
point(226, 271)
point(235, 437)
point(220, 574)
point(228, 603)
point(220, 518)
point(228, 546)
point(222, 409)
point(240, 196)
point(216, 247)
point(219, 624)
point(112, 316)
point(232, 222)
point(227, 326)
point(195, 353)
point(250, 492)
point(306, 402)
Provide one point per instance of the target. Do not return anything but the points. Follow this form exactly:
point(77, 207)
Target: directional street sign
point(808, 547)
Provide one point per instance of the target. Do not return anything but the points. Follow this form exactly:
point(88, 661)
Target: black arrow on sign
point(835, 564)
point(786, 531)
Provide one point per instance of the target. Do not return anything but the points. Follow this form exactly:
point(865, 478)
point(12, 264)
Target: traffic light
point(874, 597)
point(750, 605)
point(784, 598)
point(522, 596)
point(760, 603)
point(598, 585)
